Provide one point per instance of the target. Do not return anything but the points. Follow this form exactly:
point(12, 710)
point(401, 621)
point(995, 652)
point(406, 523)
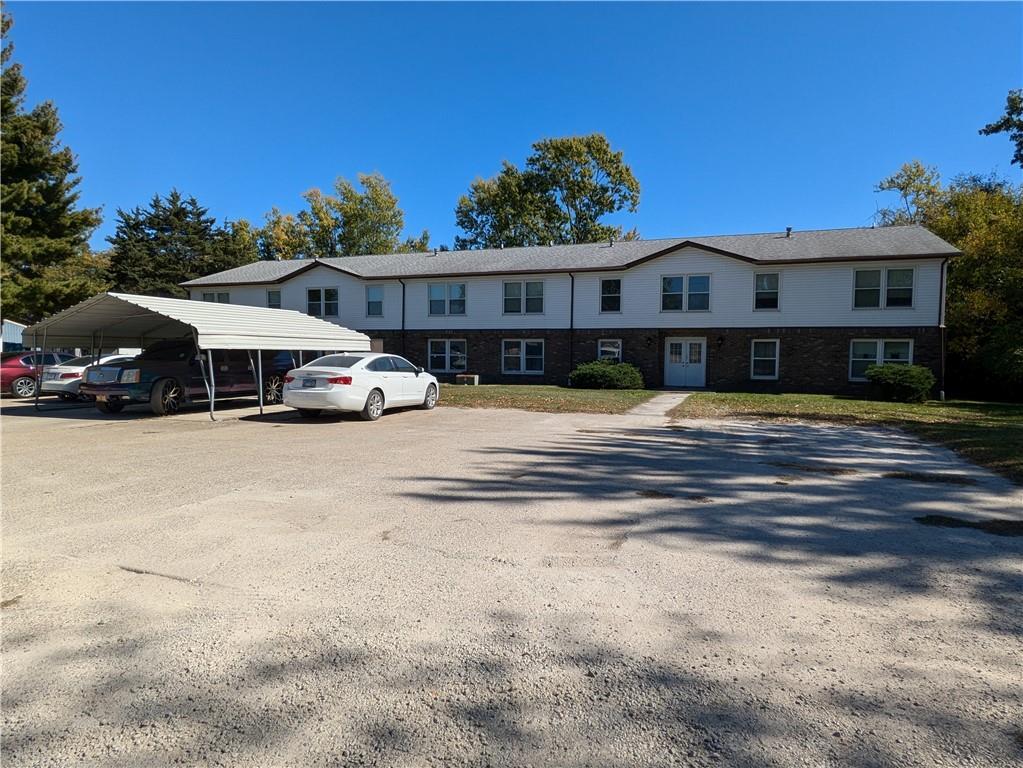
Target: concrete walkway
point(659, 405)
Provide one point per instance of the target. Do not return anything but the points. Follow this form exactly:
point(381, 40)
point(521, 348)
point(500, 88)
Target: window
point(864, 353)
point(609, 349)
point(446, 298)
point(671, 293)
point(322, 302)
point(447, 354)
point(685, 293)
point(337, 361)
point(531, 290)
point(764, 359)
point(899, 288)
point(273, 299)
point(522, 356)
point(374, 301)
point(611, 295)
point(381, 365)
point(867, 289)
point(698, 293)
point(219, 298)
point(765, 290)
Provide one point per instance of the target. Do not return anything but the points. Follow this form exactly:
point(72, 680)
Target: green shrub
point(902, 383)
point(606, 374)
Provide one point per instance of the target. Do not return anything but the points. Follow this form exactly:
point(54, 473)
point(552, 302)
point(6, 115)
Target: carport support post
point(39, 367)
point(259, 380)
point(213, 383)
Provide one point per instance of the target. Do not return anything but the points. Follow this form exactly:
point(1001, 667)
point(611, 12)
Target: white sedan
point(64, 379)
point(366, 382)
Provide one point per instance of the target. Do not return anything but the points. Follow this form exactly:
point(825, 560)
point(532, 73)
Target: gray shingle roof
point(862, 243)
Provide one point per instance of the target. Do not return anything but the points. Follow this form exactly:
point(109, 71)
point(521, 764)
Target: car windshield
point(79, 361)
point(169, 350)
point(335, 361)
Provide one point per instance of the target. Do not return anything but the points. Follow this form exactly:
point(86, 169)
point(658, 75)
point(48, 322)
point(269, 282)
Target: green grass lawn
point(534, 397)
point(990, 434)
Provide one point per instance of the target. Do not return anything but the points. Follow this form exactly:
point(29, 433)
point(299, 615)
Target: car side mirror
point(419, 369)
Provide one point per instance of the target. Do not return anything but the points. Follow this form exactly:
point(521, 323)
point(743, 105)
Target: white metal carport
point(111, 320)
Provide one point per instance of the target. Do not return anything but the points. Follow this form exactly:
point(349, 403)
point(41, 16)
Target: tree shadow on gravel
point(792, 495)
point(512, 691)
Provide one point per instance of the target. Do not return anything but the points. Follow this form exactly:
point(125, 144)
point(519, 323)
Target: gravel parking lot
point(482, 587)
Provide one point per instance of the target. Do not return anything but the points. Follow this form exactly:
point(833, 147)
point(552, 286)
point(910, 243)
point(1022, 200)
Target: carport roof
point(123, 319)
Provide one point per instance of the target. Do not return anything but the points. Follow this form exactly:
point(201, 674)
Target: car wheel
point(109, 407)
point(23, 386)
point(166, 397)
point(374, 406)
point(308, 413)
point(430, 401)
point(273, 390)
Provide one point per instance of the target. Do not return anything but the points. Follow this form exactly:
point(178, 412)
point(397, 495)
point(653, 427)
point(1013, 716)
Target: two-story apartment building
point(790, 311)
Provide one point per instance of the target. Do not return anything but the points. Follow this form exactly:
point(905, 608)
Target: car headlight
point(130, 376)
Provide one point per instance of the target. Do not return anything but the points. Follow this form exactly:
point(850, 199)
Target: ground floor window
point(764, 359)
point(219, 298)
point(609, 349)
point(447, 355)
point(522, 356)
point(864, 353)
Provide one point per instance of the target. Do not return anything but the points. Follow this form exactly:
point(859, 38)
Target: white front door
point(685, 362)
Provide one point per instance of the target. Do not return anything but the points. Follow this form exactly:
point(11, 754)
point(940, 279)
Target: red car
point(20, 370)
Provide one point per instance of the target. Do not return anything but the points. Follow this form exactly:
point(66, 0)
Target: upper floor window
point(273, 299)
point(896, 285)
point(611, 295)
point(446, 298)
point(374, 300)
point(690, 293)
point(765, 290)
point(526, 296)
point(322, 302)
point(220, 298)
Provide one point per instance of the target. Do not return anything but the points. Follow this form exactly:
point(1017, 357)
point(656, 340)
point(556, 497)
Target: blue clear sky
point(734, 117)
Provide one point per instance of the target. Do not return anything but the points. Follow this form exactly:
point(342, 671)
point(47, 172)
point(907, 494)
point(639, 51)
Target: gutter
point(571, 323)
point(942, 279)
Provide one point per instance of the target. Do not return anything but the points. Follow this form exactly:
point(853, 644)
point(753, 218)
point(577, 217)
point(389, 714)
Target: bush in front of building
point(606, 374)
point(901, 383)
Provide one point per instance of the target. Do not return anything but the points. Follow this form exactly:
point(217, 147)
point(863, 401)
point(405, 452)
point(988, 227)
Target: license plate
point(101, 398)
point(308, 383)
point(49, 376)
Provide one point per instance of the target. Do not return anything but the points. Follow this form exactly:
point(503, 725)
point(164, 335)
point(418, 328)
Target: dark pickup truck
point(169, 374)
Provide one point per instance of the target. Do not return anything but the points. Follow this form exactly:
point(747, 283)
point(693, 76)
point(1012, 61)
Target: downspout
point(571, 323)
point(941, 326)
point(402, 316)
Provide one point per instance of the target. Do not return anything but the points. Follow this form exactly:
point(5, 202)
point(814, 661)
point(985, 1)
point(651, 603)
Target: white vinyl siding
point(522, 356)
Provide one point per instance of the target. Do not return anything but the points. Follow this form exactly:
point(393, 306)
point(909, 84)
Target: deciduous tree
point(1011, 123)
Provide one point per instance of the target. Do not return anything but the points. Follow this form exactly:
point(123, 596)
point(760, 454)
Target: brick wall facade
point(810, 359)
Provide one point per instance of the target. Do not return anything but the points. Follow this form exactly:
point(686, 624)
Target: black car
point(170, 374)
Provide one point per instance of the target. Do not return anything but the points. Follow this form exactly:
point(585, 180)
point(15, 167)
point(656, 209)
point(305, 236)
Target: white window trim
point(447, 355)
point(777, 359)
point(685, 292)
point(883, 305)
point(522, 357)
point(879, 355)
point(447, 299)
point(280, 297)
point(365, 307)
point(323, 299)
point(621, 348)
point(767, 309)
point(600, 296)
point(522, 298)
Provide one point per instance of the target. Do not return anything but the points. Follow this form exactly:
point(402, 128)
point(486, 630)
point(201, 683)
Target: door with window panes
point(685, 363)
